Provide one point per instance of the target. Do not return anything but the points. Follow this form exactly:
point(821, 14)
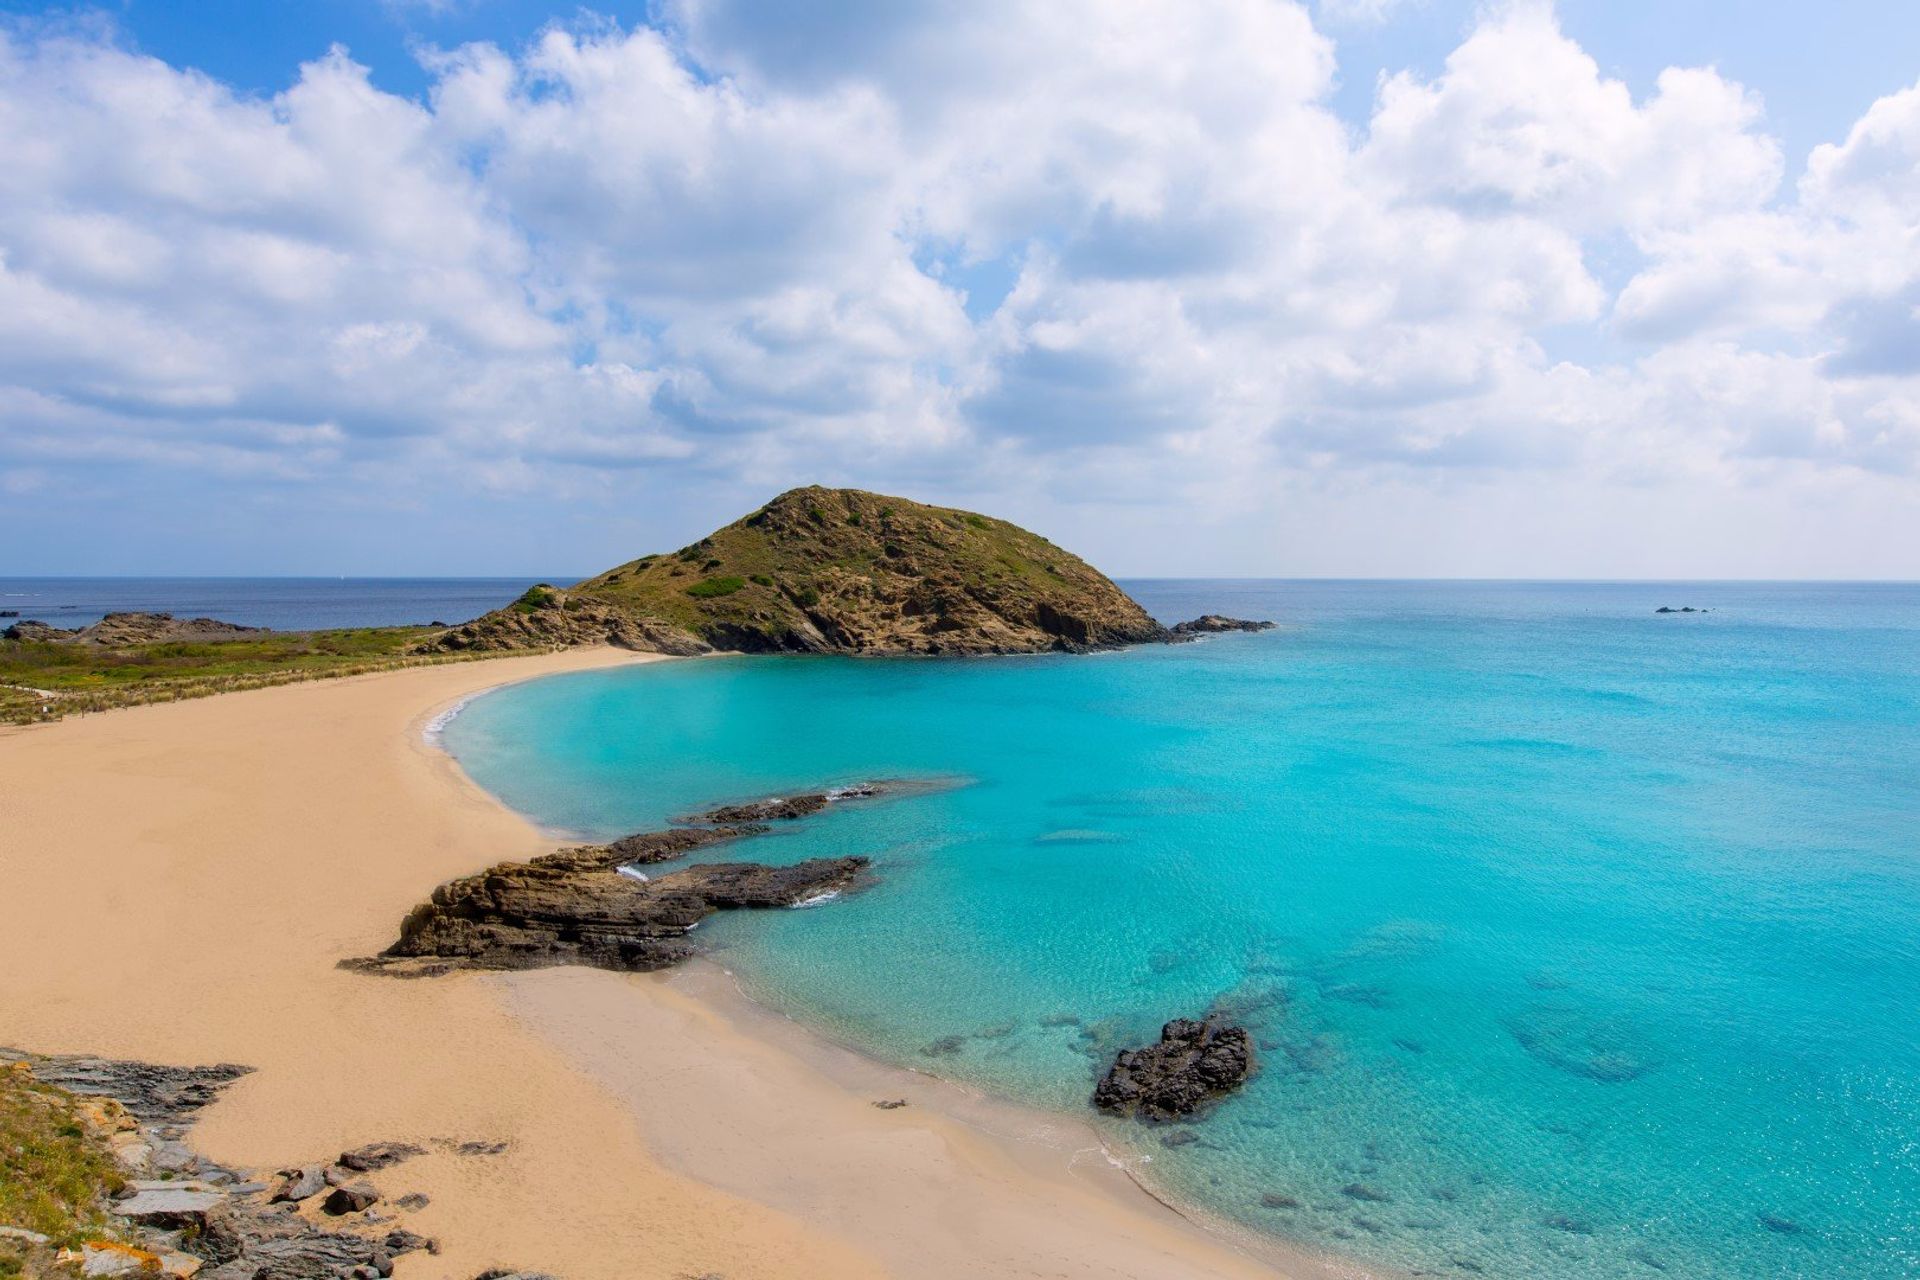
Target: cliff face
point(835, 571)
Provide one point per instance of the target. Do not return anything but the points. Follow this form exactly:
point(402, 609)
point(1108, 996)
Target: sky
point(1384, 288)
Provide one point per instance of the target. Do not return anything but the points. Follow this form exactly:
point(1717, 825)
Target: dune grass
point(56, 1172)
point(48, 679)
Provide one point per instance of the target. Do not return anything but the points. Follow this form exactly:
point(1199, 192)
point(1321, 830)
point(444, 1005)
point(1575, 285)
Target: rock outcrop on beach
point(1192, 1064)
point(1208, 624)
point(834, 571)
point(169, 1212)
point(586, 905)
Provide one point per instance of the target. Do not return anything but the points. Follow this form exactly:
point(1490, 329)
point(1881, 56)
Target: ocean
point(1578, 940)
point(284, 604)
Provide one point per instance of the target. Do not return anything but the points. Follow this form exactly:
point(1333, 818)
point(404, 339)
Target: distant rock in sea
point(1683, 609)
point(1214, 624)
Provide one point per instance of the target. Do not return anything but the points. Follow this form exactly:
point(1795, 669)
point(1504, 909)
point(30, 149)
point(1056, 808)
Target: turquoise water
point(1578, 941)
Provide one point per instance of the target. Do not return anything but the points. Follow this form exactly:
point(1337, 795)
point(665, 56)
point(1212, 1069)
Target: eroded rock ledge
point(1193, 1064)
point(589, 905)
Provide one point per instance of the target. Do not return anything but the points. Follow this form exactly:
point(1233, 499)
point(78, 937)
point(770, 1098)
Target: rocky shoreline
point(591, 905)
point(177, 1214)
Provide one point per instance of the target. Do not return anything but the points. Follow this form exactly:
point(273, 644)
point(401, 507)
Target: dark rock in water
point(1193, 1063)
point(788, 808)
point(1571, 1225)
point(576, 907)
point(9, 613)
point(944, 1047)
point(352, 1198)
point(1274, 1200)
point(1782, 1226)
point(1361, 1191)
point(378, 1155)
point(1683, 609)
point(155, 1094)
point(783, 809)
point(1214, 624)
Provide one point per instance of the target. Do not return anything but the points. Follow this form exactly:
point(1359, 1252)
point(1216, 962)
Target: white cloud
point(755, 249)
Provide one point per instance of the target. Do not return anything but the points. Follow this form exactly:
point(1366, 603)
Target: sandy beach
point(180, 881)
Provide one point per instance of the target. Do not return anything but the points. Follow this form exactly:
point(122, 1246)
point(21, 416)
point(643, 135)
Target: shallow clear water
point(1579, 941)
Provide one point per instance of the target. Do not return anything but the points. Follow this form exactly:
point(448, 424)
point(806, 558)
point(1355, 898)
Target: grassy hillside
point(843, 570)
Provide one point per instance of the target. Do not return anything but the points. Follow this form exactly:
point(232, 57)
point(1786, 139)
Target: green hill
point(834, 571)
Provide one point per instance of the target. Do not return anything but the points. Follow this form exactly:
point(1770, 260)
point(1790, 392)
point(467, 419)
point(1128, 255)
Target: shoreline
point(1058, 1149)
point(183, 876)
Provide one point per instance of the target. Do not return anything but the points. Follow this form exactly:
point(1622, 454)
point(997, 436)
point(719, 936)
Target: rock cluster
point(1193, 1063)
point(184, 1216)
point(118, 630)
point(583, 905)
point(1213, 624)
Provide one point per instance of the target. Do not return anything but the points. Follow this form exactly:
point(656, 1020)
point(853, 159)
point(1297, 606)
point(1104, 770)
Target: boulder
point(170, 1204)
point(1193, 1063)
point(299, 1184)
point(353, 1197)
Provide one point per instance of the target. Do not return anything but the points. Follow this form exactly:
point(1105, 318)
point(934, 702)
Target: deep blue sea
point(1579, 941)
point(285, 604)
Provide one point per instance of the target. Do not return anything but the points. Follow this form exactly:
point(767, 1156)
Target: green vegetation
point(47, 679)
point(814, 546)
point(710, 588)
point(56, 1172)
point(539, 597)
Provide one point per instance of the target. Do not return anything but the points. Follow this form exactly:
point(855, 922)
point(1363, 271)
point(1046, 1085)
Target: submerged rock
point(1193, 1064)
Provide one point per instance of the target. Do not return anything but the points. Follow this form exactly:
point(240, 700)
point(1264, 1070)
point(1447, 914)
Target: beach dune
point(179, 882)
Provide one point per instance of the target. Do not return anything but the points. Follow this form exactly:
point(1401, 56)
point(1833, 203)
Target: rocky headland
point(591, 905)
point(837, 571)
